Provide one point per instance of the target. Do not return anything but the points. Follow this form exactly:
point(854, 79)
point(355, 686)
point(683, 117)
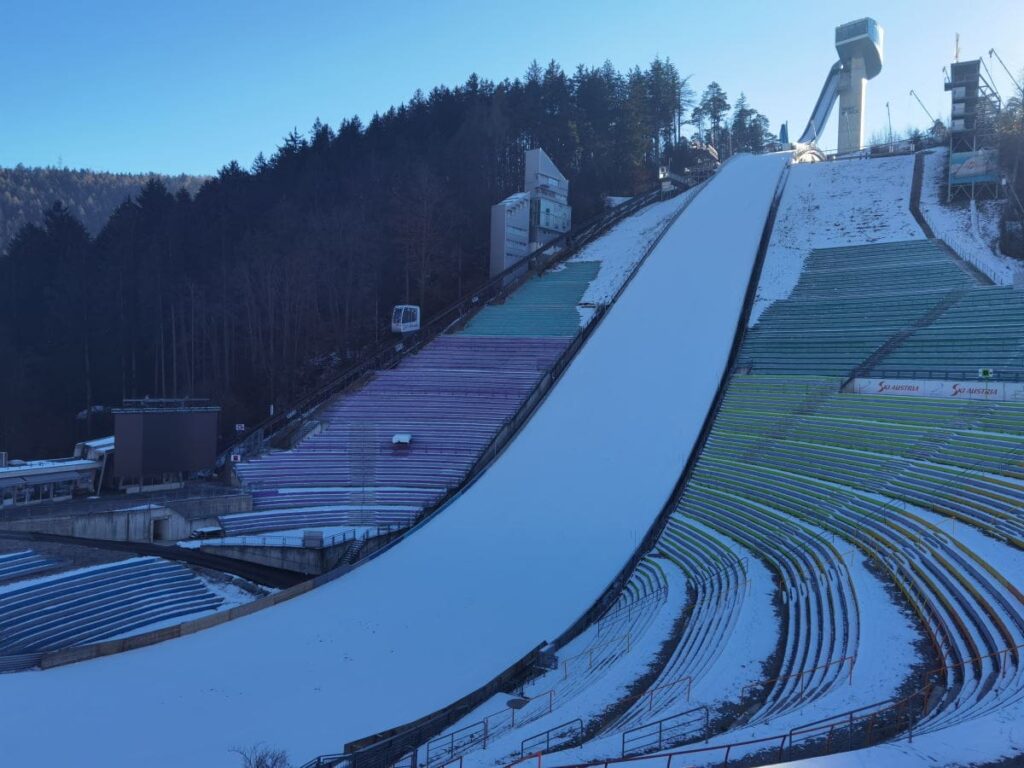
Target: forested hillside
point(271, 277)
point(90, 196)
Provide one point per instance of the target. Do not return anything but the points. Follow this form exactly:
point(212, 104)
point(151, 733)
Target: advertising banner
point(960, 390)
point(981, 166)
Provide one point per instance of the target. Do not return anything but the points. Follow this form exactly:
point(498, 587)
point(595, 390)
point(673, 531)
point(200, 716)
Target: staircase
point(894, 341)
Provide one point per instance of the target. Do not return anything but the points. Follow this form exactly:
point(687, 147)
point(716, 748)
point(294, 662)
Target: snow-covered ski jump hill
point(777, 426)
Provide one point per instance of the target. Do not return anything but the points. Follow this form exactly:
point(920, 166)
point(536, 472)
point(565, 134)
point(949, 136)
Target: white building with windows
point(526, 220)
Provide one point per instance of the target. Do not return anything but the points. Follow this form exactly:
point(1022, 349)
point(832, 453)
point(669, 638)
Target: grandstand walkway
point(508, 564)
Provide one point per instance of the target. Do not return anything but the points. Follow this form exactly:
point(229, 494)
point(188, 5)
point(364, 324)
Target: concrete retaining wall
point(308, 560)
point(149, 523)
point(170, 520)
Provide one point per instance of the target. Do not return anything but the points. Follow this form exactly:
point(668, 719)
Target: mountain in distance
point(91, 196)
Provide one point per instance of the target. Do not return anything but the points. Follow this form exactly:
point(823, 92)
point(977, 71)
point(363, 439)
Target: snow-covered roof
point(100, 443)
point(48, 471)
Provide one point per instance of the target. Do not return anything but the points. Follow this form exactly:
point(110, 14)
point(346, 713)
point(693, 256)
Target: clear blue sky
point(186, 86)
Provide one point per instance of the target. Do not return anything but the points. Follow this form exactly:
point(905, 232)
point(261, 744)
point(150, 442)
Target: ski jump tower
point(859, 45)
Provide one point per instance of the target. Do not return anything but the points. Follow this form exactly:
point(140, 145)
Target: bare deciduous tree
point(262, 756)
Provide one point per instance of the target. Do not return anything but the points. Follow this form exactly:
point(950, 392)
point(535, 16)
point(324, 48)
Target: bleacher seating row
point(18, 565)
point(498, 733)
point(542, 306)
point(984, 329)
point(858, 466)
point(941, 455)
point(451, 397)
point(822, 621)
point(716, 578)
point(850, 301)
point(97, 603)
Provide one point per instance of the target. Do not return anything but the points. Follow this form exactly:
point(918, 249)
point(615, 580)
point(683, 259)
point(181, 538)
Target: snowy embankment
point(507, 565)
point(974, 234)
point(621, 249)
point(842, 202)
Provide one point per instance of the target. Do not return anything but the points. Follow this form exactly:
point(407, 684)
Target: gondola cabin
point(405, 318)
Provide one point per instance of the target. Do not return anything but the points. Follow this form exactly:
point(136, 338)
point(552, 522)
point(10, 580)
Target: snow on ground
point(601, 689)
point(971, 743)
point(508, 564)
point(974, 238)
point(740, 663)
point(885, 657)
point(824, 205)
point(621, 248)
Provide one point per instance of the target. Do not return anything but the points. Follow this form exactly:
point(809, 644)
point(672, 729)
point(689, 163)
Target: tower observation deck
point(859, 45)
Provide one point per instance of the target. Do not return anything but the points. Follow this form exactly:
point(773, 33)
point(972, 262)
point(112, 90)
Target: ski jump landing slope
point(509, 564)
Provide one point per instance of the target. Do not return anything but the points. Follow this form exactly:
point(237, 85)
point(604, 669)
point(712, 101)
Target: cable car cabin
point(405, 318)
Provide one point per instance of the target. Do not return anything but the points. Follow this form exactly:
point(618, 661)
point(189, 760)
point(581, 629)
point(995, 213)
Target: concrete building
point(525, 221)
point(33, 482)
point(510, 231)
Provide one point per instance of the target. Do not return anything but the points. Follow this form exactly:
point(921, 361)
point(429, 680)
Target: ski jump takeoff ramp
point(512, 562)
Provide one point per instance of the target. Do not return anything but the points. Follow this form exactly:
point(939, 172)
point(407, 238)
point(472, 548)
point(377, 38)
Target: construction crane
point(991, 53)
point(914, 94)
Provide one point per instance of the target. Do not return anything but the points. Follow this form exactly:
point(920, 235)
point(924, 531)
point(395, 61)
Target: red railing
point(649, 695)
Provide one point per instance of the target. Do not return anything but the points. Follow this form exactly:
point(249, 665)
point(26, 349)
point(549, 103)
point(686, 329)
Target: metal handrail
point(629, 744)
point(546, 736)
point(779, 741)
point(270, 540)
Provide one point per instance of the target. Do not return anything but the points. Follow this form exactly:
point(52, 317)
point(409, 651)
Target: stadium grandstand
point(383, 453)
point(738, 482)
